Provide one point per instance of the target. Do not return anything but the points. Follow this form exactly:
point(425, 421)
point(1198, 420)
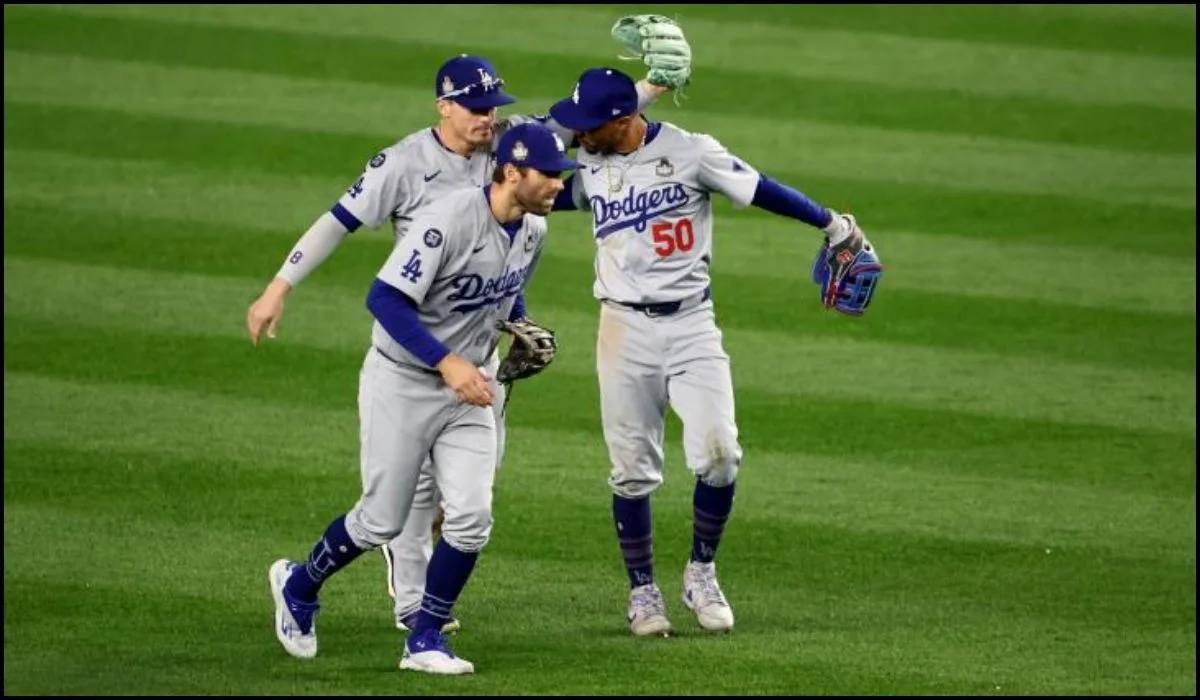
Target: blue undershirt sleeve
point(518, 309)
point(565, 200)
point(781, 199)
point(397, 313)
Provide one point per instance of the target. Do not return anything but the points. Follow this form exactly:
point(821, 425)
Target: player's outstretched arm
point(845, 248)
point(785, 200)
point(845, 253)
point(367, 202)
point(313, 248)
point(721, 171)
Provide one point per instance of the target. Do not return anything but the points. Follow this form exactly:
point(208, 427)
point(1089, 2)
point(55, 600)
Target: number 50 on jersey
point(671, 236)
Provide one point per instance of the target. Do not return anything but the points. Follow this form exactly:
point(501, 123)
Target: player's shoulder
point(674, 134)
point(415, 140)
point(399, 154)
point(536, 223)
point(453, 218)
point(456, 208)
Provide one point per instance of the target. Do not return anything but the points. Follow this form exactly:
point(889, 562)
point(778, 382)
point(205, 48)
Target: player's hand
point(845, 241)
point(266, 310)
point(469, 383)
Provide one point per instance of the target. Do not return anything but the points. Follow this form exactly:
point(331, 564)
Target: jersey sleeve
point(418, 256)
point(579, 195)
point(374, 195)
point(721, 171)
point(567, 136)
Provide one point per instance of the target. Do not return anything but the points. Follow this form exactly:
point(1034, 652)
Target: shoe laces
point(706, 579)
point(649, 601)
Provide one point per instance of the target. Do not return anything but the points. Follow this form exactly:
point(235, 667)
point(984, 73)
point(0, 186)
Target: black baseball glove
point(532, 350)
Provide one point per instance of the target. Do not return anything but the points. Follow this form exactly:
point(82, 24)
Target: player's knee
point(719, 465)
point(468, 531)
point(719, 474)
point(368, 532)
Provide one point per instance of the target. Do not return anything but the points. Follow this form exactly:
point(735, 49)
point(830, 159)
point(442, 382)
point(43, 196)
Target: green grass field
point(987, 485)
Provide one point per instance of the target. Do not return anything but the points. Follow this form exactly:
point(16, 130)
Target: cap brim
point(487, 100)
point(568, 113)
point(563, 163)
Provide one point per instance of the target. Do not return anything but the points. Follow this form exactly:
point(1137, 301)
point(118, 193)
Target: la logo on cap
point(519, 152)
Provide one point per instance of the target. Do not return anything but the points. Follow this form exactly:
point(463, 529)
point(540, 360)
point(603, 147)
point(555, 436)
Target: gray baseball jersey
point(652, 213)
point(418, 170)
point(463, 271)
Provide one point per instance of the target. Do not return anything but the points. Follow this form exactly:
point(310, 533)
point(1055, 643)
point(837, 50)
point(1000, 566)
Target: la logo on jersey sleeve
point(432, 238)
point(414, 262)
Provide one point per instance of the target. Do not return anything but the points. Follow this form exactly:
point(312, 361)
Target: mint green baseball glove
point(658, 42)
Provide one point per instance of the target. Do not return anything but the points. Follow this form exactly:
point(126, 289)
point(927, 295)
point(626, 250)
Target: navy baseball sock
point(332, 553)
point(711, 506)
point(636, 537)
point(449, 569)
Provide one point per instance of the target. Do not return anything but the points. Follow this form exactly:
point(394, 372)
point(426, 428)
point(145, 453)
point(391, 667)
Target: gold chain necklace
point(616, 187)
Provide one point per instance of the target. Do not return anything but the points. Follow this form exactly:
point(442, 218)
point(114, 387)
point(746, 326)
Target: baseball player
point(417, 170)
point(648, 187)
point(438, 304)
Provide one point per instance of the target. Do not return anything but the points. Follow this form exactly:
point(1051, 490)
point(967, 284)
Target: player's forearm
point(313, 248)
point(781, 199)
point(397, 313)
point(648, 94)
point(518, 309)
point(565, 199)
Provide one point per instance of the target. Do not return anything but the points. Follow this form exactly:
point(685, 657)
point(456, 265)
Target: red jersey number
point(672, 236)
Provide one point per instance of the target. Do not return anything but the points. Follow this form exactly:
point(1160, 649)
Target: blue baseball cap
point(472, 82)
point(600, 96)
point(533, 145)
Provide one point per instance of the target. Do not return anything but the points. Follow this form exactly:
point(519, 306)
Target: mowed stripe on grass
point(245, 90)
point(973, 382)
point(754, 289)
point(873, 155)
point(318, 442)
point(978, 67)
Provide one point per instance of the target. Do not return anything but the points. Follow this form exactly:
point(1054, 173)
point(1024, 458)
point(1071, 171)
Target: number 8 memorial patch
point(433, 238)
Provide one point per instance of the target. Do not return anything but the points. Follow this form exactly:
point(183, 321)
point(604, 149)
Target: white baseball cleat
point(702, 595)
point(428, 652)
point(295, 623)
point(648, 611)
point(407, 622)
